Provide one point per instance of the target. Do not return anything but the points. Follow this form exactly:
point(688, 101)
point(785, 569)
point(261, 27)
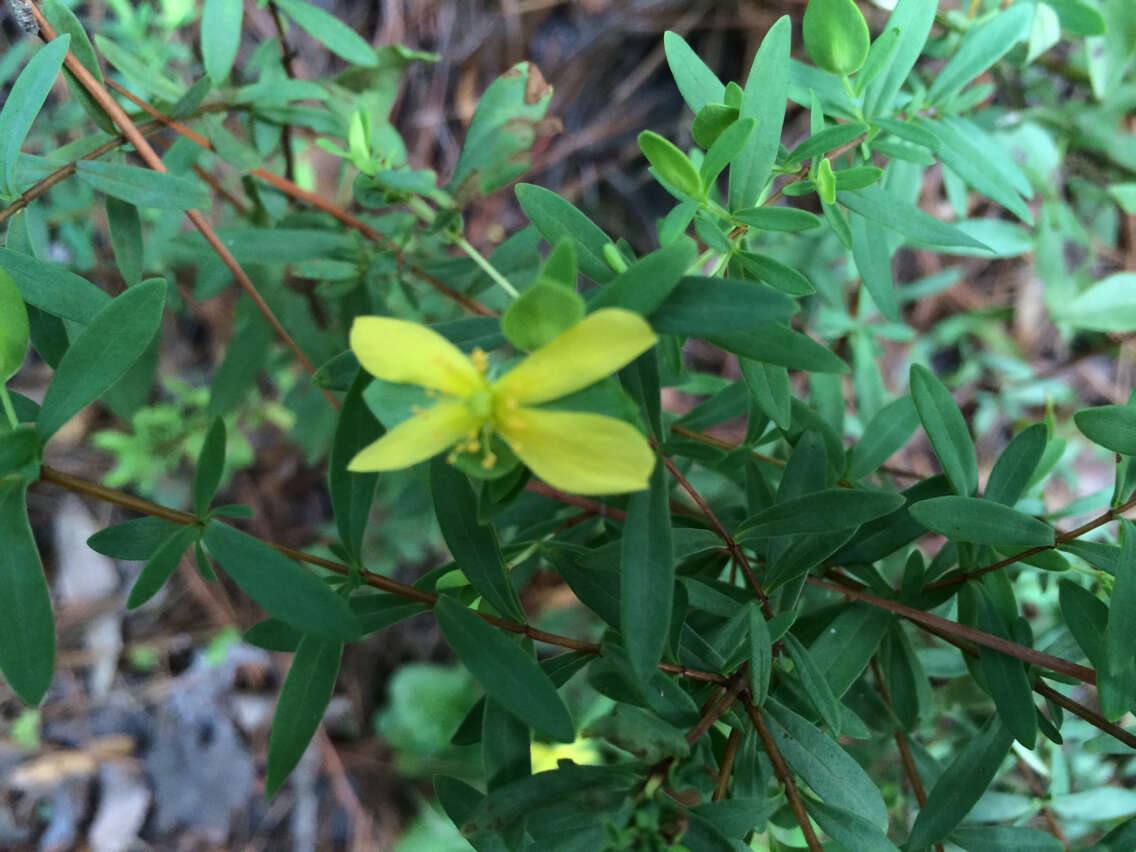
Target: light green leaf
point(220, 36)
point(778, 218)
point(880, 206)
point(763, 100)
point(14, 329)
point(698, 84)
point(913, 19)
point(981, 47)
point(335, 35)
point(1109, 305)
point(672, 165)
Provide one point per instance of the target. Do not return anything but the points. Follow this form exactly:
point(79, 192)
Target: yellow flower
point(573, 451)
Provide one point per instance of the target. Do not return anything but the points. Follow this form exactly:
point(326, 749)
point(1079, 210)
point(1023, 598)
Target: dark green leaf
point(885, 434)
point(144, 187)
point(982, 522)
point(281, 587)
point(161, 565)
point(27, 626)
point(351, 493)
point(770, 388)
point(873, 261)
point(826, 140)
point(1111, 426)
point(556, 219)
point(763, 100)
point(21, 452)
point(14, 329)
point(506, 744)
point(760, 656)
point(816, 688)
point(507, 672)
point(961, 785)
point(272, 634)
point(1086, 616)
point(1015, 467)
point(126, 237)
point(1117, 686)
point(1006, 676)
point(332, 33)
point(857, 177)
point(774, 343)
point(778, 218)
point(647, 282)
point(133, 541)
point(918, 134)
point(116, 337)
point(220, 36)
point(23, 103)
point(65, 22)
point(842, 651)
point(946, 428)
point(827, 768)
point(474, 547)
point(540, 313)
point(850, 829)
point(699, 306)
point(299, 709)
point(647, 575)
point(776, 274)
point(819, 511)
point(53, 289)
point(210, 466)
point(697, 83)
point(1004, 838)
point(639, 733)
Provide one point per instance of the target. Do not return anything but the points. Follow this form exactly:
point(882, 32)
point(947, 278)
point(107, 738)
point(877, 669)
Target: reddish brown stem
point(785, 776)
point(727, 767)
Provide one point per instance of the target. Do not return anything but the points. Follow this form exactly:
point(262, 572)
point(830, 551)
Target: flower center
point(480, 404)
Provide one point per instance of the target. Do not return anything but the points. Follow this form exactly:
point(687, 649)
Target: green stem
point(487, 267)
point(9, 409)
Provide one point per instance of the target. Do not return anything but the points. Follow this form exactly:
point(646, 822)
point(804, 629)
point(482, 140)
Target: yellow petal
point(406, 352)
point(416, 439)
point(580, 453)
point(595, 347)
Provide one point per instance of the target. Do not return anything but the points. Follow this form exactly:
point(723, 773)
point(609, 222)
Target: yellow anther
point(452, 458)
point(472, 447)
point(489, 460)
point(480, 359)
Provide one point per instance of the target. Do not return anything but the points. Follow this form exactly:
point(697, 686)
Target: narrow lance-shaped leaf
point(23, 104)
point(961, 785)
point(647, 575)
point(697, 83)
point(220, 36)
point(819, 511)
point(65, 22)
point(672, 165)
point(125, 228)
point(982, 522)
point(508, 673)
point(1117, 687)
point(144, 187)
point(766, 90)
point(1110, 426)
point(981, 48)
point(335, 35)
point(913, 19)
point(14, 329)
point(299, 709)
point(885, 434)
point(116, 337)
point(814, 683)
point(474, 547)
point(760, 656)
point(352, 493)
point(947, 430)
point(27, 626)
point(53, 289)
point(161, 565)
point(281, 587)
point(210, 466)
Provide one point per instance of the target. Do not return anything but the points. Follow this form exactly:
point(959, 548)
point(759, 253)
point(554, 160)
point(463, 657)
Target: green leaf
point(220, 36)
point(1078, 17)
point(23, 104)
point(557, 219)
point(826, 182)
point(1086, 616)
point(210, 466)
point(885, 434)
point(540, 313)
point(980, 48)
point(710, 123)
point(352, 493)
point(53, 289)
point(27, 627)
point(836, 35)
point(880, 56)
point(1014, 469)
point(161, 565)
point(961, 785)
point(774, 343)
point(778, 218)
point(946, 428)
point(819, 511)
point(639, 733)
point(1109, 305)
point(133, 541)
point(21, 452)
point(725, 150)
point(826, 140)
point(281, 587)
point(979, 161)
point(126, 238)
point(769, 386)
point(880, 206)
point(335, 35)
point(842, 651)
point(474, 547)
point(873, 261)
point(850, 829)
point(299, 710)
point(138, 71)
point(1005, 838)
point(272, 634)
point(498, 144)
point(144, 187)
point(508, 673)
point(647, 282)
point(116, 337)
point(857, 177)
point(506, 746)
point(763, 100)
point(924, 133)
point(697, 84)
point(65, 22)
point(760, 656)
point(14, 329)
point(827, 768)
point(816, 688)
point(913, 19)
point(982, 522)
point(1117, 686)
point(775, 273)
point(647, 575)
point(672, 165)
point(700, 306)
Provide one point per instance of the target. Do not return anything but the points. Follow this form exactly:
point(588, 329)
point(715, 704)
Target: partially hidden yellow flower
point(574, 451)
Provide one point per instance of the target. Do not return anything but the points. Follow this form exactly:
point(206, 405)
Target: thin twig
point(785, 776)
point(726, 769)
